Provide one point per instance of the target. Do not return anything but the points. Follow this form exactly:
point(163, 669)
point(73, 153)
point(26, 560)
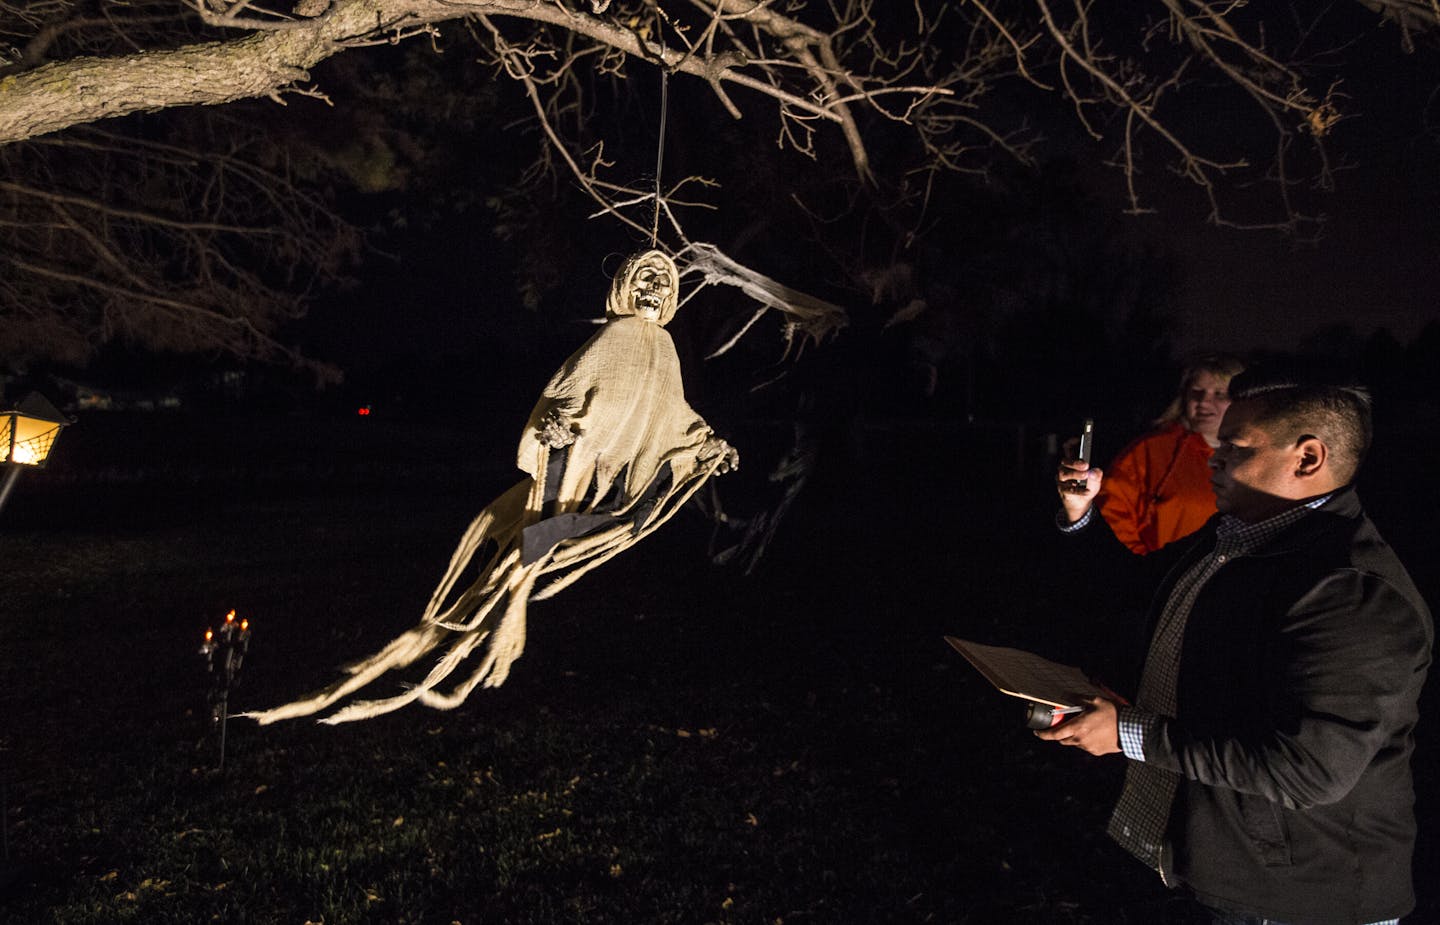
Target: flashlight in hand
point(1046, 715)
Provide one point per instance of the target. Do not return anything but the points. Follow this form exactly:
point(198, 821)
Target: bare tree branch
point(280, 51)
point(937, 87)
point(111, 236)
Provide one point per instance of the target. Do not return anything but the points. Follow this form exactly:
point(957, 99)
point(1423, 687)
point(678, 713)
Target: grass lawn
point(680, 743)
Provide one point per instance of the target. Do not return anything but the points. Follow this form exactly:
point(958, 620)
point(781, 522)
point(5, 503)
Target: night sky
point(1372, 263)
point(1376, 265)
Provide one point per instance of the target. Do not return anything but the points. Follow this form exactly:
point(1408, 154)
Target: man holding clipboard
point(1268, 750)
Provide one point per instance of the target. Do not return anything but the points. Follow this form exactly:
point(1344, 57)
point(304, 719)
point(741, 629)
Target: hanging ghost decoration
point(612, 450)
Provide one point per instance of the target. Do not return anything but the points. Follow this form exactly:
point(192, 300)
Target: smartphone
point(1082, 453)
point(1087, 441)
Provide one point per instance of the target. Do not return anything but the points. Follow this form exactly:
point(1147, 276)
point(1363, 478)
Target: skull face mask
point(652, 285)
point(646, 287)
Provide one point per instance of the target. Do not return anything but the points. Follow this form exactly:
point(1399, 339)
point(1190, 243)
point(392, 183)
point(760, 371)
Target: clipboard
point(1028, 676)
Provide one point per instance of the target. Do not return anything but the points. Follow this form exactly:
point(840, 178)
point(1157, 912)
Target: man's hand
point(1077, 483)
point(1097, 730)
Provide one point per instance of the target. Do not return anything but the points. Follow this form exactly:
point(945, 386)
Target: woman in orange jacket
point(1158, 488)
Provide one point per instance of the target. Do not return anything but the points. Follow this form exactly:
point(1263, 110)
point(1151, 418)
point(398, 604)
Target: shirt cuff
point(1065, 526)
point(1135, 725)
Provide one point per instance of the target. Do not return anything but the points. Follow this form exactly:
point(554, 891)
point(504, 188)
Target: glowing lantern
point(27, 435)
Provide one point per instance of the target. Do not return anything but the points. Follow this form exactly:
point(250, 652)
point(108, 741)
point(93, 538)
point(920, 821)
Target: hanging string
point(660, 145)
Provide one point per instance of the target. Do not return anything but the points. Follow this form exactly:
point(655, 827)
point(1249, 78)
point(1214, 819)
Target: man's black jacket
point(1300, 674)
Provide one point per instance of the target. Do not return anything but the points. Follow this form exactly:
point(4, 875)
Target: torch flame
point(244, 625)
point(209, 635)
point(230, 617)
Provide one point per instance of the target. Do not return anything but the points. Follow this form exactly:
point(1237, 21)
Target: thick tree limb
point(278, 54)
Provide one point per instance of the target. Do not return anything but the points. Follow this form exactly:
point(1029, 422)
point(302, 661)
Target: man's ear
point(1311, 454)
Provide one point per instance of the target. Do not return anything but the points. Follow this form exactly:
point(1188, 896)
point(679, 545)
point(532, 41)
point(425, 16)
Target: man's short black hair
point(1292, 406)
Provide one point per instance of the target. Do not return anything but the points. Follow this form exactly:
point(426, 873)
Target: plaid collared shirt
point(1139, 820)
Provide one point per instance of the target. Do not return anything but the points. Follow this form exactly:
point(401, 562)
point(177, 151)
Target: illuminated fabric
point(612, 451)
point(1157, 489)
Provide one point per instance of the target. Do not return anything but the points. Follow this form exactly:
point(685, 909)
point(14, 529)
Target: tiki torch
point(224, 650)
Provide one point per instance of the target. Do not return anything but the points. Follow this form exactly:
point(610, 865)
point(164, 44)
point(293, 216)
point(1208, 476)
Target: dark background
point(892, 784)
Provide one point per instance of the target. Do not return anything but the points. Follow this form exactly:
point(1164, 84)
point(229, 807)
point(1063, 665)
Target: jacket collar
point(1342, 507)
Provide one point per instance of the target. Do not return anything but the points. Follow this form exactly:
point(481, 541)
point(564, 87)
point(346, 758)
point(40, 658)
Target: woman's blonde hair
point(1225, 366)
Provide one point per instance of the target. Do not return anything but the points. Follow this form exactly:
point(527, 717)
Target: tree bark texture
point(266, 61)
point(83, 90)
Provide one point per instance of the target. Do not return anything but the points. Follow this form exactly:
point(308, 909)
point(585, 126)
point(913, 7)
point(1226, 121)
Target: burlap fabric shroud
point(638, 453)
